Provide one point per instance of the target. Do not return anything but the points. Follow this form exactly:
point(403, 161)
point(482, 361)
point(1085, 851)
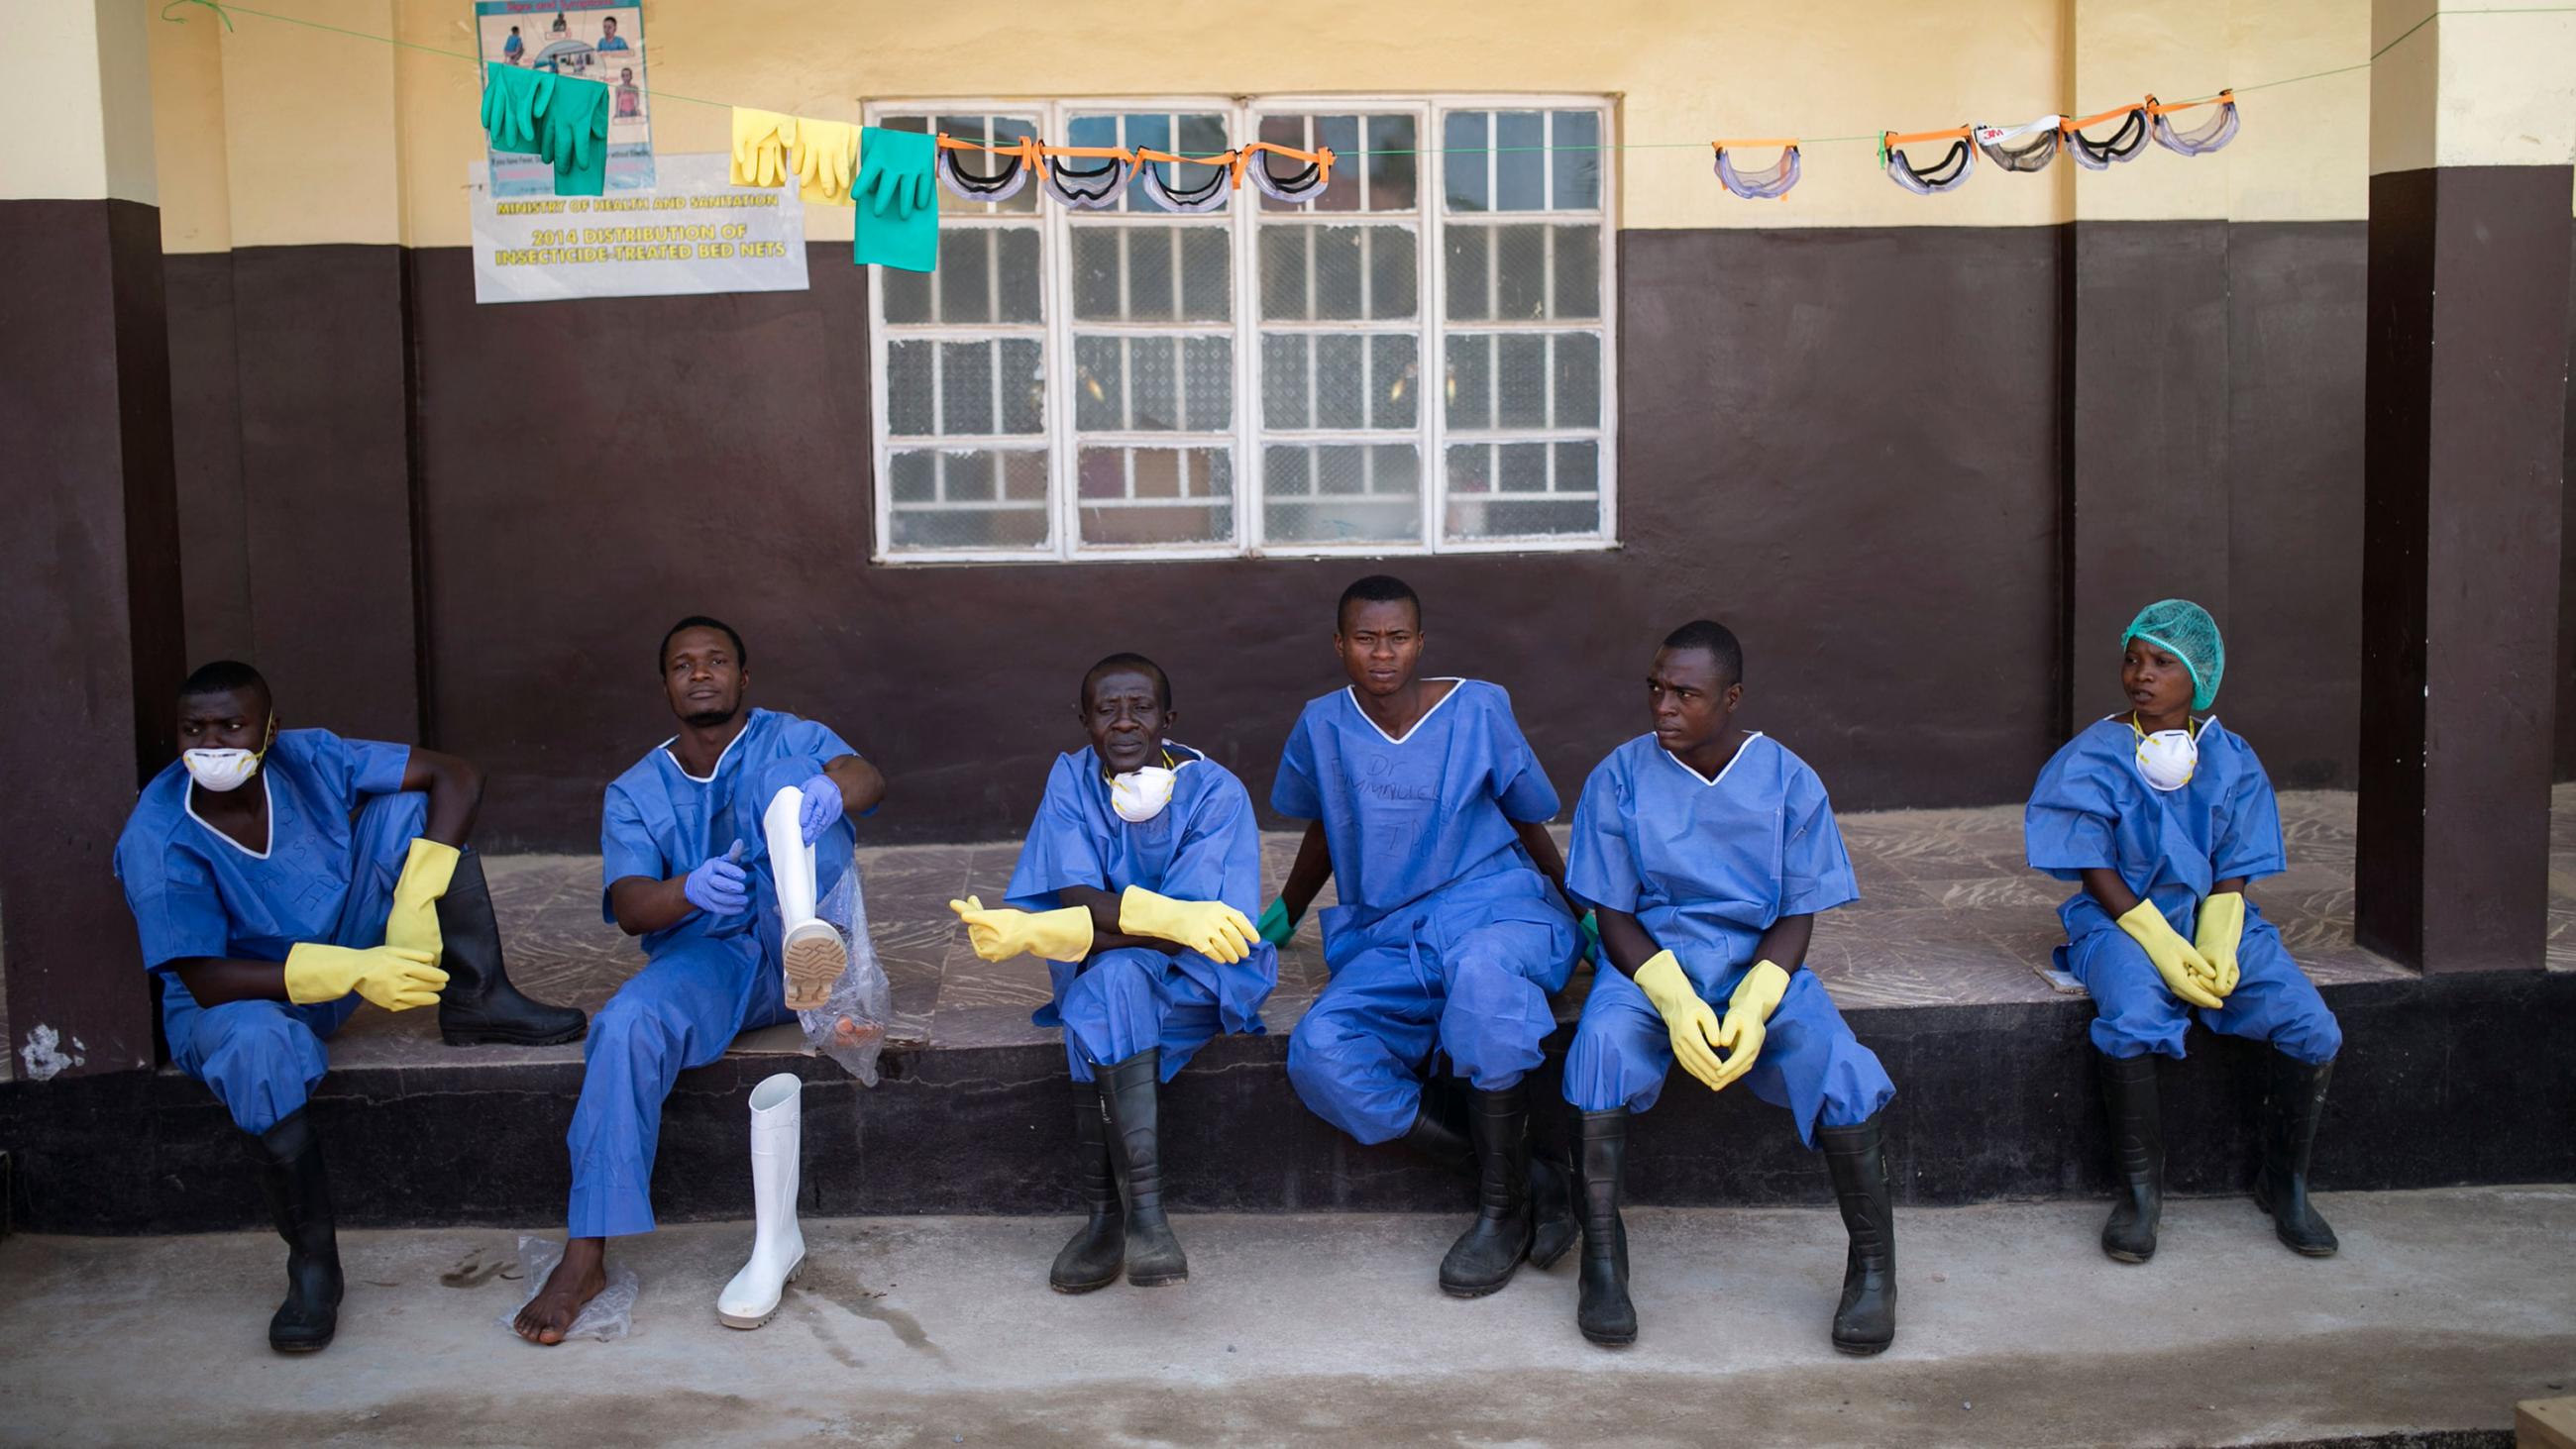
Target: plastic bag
point(608, 1317)
point(850, 1025)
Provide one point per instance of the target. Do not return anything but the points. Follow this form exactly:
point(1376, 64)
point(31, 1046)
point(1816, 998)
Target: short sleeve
point(178, 913)
point(1600, 869)
point(1815, 870)
point(1294, 793)
point(812, 737)
point(626, 846)
point(2249, 838)
point(2071, 823)
point(1520, 786)
point(1060, 849)
point(376, 767)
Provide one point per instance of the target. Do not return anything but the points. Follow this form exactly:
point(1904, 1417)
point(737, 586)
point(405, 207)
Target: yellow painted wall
point(379, 150)
point(74, 86)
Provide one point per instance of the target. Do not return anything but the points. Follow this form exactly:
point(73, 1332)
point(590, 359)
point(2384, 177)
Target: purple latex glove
point(718, 886)
point(821, 807)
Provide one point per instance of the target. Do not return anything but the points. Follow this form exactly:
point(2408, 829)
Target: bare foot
point(575, 1281)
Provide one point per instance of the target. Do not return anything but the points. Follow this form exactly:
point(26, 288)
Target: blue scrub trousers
point(682, 1010)
point(2273, 1001)
point(1130, 998)
point(263, 1058)
point(1810, 1062)
point(1470, 979)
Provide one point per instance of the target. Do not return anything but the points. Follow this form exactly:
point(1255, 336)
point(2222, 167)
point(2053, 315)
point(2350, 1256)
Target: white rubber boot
point(778, 1244)
point(814, 954)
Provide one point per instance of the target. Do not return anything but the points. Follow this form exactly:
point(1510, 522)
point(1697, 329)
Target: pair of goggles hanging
point(1092, 188)
point(2019, 148)
point(1021, 157)
point(1210, 197)
point(1947, 174)
point(1765, 184)
point(1303, 184)
point(2123, 144)
point(2212, 134)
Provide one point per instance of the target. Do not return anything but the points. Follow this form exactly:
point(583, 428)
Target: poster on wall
point(601, 40)
point(692, 231)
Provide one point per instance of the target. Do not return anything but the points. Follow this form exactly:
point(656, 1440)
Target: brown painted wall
point(2566, 762)
point(1845, 442)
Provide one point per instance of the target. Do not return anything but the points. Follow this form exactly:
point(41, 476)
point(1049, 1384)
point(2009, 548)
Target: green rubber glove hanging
point(898, 201)
point(514, 106)
point(574, 139)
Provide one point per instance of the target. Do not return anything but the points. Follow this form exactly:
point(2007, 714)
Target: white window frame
point(1243, 218)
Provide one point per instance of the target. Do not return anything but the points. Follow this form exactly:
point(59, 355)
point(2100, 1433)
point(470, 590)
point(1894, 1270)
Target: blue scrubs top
point(1407, 818)
point(196, 891)
point(1706, 866)
point(659, 821)
point(2093, 809)
point(1205, 846)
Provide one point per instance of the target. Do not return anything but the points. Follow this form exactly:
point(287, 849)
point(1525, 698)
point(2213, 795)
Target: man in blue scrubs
point(1430, 812)
point(1707, 851)
point(685, 865)
point(1134, 885)
point(277, 877)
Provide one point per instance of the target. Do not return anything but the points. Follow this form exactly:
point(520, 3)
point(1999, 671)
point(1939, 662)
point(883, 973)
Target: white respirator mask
point(2166, 758)
point(225, 770)
point(1141, 794)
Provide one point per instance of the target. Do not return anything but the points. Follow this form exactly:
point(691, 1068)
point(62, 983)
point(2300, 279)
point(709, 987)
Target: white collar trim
point(1353, 692)
point(1749, 738)
point(188, 802)
point(709, 777)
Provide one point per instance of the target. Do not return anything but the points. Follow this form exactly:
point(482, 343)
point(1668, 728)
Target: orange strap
point(1106, 153)
point(1230, 160)
point(2159, 108)
point(1789, 143)
point(1321, 158)
point(1028, 148)
point(1891, 140)
point(2112, 114)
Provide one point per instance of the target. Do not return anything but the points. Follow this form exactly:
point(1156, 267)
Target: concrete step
point(2444, 1309)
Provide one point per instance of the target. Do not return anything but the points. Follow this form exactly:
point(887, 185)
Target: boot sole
point(503, 1038)
point(1608, 1340)
point(314, 1346)
point(738, 1320)
point(1861, 1350)
point(1072, 1288)
point(2117, 1256)
point(2307, 1250)
point(814, 964)
point(1484, 1290)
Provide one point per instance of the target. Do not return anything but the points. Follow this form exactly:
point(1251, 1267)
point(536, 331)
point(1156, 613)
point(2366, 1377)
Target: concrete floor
point(2444, 1309)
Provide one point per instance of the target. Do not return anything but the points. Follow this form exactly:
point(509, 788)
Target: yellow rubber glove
point(2186, 972)
point(2221, 928)
point(1748, 1014)
point(413, 924)
point(1693, 1025)
point(761, 140)
point(1212, 928)
point(827, 160)
point(1002, 933)
point(389, 976)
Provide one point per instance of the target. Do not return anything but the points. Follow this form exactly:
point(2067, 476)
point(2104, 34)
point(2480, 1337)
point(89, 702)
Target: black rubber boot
point(1865, 1319)
point(1128, 1089)
point(1485, 1256)
point(479, 1005)
point(1603, 1311)
point(2137, 1156)
point(1098, 1248)
point(1437, 1135)
point(289, 1156)
point(2293, 1099)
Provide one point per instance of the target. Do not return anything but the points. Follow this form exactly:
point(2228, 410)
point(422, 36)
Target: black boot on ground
point(1128, 1089)
point(1603, 1311)
point(1098, 1248)
point(479, 1005)
point(1484, 1257)
point(1865, 1319)
point(2137, 1156)
point(2293, 1099)
point(1438, 1133)
point(289, 1157)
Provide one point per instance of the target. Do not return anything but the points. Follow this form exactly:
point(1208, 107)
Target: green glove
point(2221, 929)
point(574, 139)
point(1591, 924)
point(1693, 1026)
point(1276, 924)
point(2187, 973)
point(389, 976)
point(514, 101)
point(1748, 1013)
point(898, 203)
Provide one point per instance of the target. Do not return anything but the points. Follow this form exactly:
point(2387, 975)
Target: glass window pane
point(1395, 381)
point(1156, 495)
point(1578, 272)
point(1574, 160)
point(1523, 272)
point(1338, 273)
point(1153, 384)
point(1341, 382)
point(968, 498)
point(1342, 135)
point(1022, 384)
point(1345, 493)
point(1505, 490)
point(1524, 380)
point(1207, 390)
point(1207, 273)
point(1287, 397)
point(1464, 160)
point(1375, 165)
point(909, 388)
point(1132, 273)
point(1095, 273)
point(1470, 252)
point(1099, 385)
point(1150, 283)
point(1578, 381)
point(1392, 166)
point(1520, 161)
point(1520, 272)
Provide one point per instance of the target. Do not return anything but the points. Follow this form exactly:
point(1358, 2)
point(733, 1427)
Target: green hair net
point(2184, 630)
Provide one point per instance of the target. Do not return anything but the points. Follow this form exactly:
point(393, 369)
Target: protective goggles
point(1947, 174)
point(2212, 134)
point(2027, 147)
point(1769, 182)
point(2123, 144)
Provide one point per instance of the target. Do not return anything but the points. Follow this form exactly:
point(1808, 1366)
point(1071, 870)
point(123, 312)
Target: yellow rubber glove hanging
point(389, 976)
point(761, 140)
point(827, 160)
point(413, 924)
point(1692, 1024)
point(2187, 973)
point(2221, 929)
point(1002, 933)
point(1212, 928)
point(1748, 1014)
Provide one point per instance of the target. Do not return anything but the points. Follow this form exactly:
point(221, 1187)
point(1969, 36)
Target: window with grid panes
point(1411, 360)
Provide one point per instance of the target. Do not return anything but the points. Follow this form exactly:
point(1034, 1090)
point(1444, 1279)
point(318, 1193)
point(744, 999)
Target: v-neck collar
point(718, 768)
point(1749, 738)
point(1452, 679)
point(188, 802)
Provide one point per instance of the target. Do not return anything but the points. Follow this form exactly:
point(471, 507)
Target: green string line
point(225, 11)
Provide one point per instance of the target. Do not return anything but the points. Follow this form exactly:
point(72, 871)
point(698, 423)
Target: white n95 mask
point(221, 770)
point(1141, 794)
point(2167, 758)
